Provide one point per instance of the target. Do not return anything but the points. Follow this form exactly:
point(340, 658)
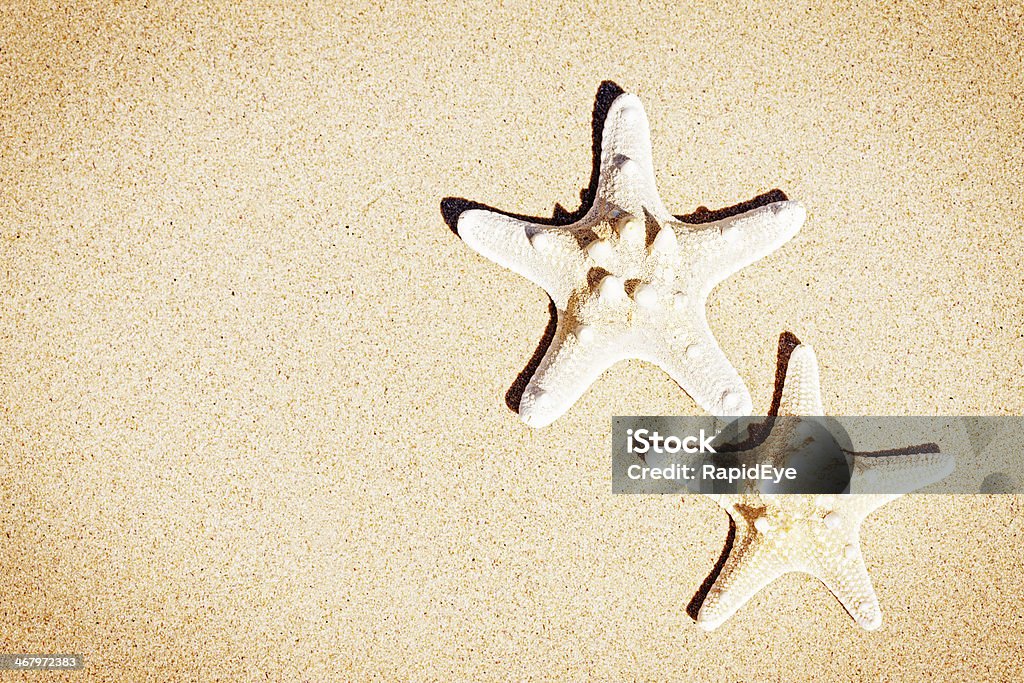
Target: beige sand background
point(253, 387)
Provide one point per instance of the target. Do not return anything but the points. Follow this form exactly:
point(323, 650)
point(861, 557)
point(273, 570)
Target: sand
point(254, 388)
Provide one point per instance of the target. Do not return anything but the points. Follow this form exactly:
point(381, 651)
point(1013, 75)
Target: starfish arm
point(899, 473)
point(801, 393)
point(627, 169)
point(513, 244)
point(736, 242)
point(700, 367)
point(847, 578)
point(569, 366)
point(751, 566)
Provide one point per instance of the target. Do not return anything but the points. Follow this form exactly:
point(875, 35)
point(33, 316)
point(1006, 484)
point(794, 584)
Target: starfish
point(814, 534)
point(629, 280)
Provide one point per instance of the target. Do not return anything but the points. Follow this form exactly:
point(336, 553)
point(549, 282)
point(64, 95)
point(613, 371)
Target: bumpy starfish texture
point(629, 280)
point(815, 534)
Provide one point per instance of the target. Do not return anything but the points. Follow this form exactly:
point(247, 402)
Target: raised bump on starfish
point(638, 300)
point(814, 534)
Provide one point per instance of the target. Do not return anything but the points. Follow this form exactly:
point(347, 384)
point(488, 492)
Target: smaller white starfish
point(815, 534)
point(629, 280)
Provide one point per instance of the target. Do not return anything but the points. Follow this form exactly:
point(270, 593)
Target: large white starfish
point(629, 280)
point(814, 534)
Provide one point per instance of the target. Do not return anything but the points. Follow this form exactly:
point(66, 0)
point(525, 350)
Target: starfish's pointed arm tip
point(536, 408)
point(708, 623)
point(469, 220)
point(803, 352)
point(626, 99)
point(861, 605)
point(871, 622)
point(790, 214)
point(535, 419)
point(791, 208)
